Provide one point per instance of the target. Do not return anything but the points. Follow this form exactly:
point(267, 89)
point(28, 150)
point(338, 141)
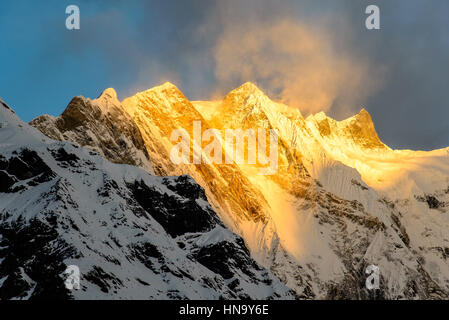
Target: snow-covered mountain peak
point(361, 128)
point(320, 116)
point(357, 130)
point(247, 95)
point(162, 97)
point(362, 119)
point(249, 107)
point(167, 85)
point(166, 88)
point(14, 131)
point(363, 113)
point(248, 88)
point(109, 92)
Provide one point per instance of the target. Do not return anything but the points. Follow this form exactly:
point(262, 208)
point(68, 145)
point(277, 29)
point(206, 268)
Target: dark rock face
point(105, 281)
point(224, 257)
point(6, 181)
point(32, 255)
point(186, 187)
point(78, 112)
point(432, 201)
point(27, 165)
point(23, 166)
point(62, 156)
point(178, 215)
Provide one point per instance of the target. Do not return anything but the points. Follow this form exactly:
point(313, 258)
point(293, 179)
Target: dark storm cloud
point(407, 61)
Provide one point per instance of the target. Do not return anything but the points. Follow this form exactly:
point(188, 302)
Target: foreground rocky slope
point(132, 235)
point(340, 200)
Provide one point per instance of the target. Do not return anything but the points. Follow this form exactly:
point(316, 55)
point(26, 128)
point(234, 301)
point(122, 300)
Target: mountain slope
point(320, 220)
point(133, 235)
point(163, 109)
point(320, 173)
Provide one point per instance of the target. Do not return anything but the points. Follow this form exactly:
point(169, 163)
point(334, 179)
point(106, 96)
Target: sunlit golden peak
point(109, 93)
point(107, 100)
point(167, 89)
point(363, 114)
point(167, 85)
point(318, 116)
point(248, 88)
point(361, 118)
point(247, 95)
point(363, 111)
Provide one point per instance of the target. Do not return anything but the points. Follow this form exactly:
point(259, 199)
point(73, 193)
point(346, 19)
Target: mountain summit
point(357, 130)
point(109, 93)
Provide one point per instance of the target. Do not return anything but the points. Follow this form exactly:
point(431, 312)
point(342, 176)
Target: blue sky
point(40, 72)
point(134, 45)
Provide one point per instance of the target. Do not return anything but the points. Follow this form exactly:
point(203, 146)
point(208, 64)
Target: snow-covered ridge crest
point(5, 105)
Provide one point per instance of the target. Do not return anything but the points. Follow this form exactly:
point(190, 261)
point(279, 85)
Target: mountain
point(339, 201)
point(101, 125)
point(133, 235)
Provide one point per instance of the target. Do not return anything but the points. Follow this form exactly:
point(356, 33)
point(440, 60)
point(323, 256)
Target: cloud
point(295, 63)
